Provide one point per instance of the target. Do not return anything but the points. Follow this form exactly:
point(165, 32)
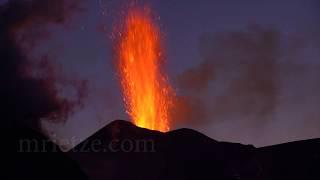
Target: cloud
point(188, 110)
point(239, 74)
point(26, 97)
point(197, 78)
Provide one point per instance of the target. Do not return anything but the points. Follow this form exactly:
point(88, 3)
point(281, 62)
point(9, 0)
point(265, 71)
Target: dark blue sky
point(83, 48)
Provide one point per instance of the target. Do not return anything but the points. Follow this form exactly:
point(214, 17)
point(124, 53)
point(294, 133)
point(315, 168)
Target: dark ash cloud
point(26, 98)
point(196, 79)
point(239, 74)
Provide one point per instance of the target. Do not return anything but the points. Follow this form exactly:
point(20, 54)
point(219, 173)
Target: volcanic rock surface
point(123, 151)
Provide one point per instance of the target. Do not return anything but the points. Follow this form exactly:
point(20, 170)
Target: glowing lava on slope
point(147, 93)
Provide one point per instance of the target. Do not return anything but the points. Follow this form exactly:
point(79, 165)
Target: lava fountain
point(146, 91)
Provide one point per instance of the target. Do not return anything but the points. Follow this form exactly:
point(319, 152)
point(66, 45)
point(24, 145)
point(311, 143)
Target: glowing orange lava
point(144, 86)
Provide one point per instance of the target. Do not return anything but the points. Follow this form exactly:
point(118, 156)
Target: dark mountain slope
point(139, 153)
point(22, 162)
point(123, 151)
point(295, 160)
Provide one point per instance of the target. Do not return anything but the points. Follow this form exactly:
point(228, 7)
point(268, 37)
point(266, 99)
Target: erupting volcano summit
point(147, 93)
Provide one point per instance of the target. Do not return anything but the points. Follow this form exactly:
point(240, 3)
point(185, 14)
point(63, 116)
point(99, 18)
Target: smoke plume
point(238, 75)
point(28, 97)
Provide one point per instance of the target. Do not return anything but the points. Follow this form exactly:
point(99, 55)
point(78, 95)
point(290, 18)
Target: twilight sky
point(245, 71)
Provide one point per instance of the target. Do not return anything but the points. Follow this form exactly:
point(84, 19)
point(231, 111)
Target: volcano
point(122, 150)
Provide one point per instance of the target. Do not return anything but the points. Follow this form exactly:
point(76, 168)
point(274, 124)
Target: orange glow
point(144, 86)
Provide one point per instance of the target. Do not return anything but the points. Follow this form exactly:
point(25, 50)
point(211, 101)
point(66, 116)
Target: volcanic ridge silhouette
point(122, 150)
